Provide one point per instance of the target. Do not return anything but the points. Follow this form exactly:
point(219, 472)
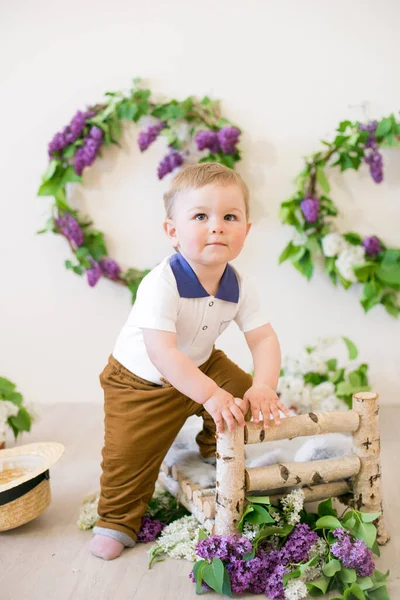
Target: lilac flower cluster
point(264, 572)
point(170, 162)
point(298, 544)
point(106, 266)
point(94, 273)
point(110, 268)
point(149, 135)
point(149, 529)
point(70, 227)
point(86, 154)
point(310, 208)
point(375, 162)
point(373, 158)
point(372, 245)
point(354, 555)
point(70, 133)
point(371, 128)
point(225, 140)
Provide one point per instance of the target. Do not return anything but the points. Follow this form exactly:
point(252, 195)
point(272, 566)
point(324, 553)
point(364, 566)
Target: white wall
point(286, 72)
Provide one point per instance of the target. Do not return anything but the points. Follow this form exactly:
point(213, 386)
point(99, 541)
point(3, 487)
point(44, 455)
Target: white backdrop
point(286, 72)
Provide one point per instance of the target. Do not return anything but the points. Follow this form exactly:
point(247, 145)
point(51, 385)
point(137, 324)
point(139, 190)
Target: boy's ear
point(170, 230)
point(249, 224)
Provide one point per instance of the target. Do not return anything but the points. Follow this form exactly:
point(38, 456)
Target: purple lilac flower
point(70, 133)
point(149, 135)
point(353, 555)
point(70, 228)
point(224, 547)
point(94, 273)
point(228, 137)
point(372, 245)
point(149, 529)
point(207, 139)
point(170, 162)
point(298, 544)
point(310, 209)
point(86, 154)
point(274, 587)
point(110, 268)
point(373, 157)
point(375, 161)
point(253, 575)
point(371, 128)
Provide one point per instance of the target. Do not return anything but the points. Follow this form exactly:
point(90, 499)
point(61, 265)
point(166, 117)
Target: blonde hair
point(197, 176)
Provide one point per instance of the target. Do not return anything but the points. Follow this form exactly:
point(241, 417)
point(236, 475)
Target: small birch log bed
point(355, 479)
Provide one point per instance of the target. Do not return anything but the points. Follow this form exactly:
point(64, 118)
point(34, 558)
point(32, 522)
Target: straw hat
point(24, 482)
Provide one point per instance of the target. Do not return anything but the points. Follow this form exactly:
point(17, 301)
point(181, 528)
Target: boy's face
point(209, 224)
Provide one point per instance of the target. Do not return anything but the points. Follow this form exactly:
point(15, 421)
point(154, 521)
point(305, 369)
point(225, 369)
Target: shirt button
point(205, 327)
point(210, 303)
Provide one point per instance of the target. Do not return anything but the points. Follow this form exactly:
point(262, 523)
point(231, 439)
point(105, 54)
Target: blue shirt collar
point(189, 285)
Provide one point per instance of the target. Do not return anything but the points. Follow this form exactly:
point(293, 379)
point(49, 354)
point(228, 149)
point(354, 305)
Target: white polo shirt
point(171, 298)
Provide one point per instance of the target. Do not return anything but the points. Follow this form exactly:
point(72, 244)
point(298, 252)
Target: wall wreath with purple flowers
point(194, 131)
point(348, 257)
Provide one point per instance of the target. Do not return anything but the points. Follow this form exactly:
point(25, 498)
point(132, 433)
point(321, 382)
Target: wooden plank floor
point(49, 559)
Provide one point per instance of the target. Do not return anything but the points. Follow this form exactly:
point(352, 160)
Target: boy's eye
point(200, 217)
point(230, 217)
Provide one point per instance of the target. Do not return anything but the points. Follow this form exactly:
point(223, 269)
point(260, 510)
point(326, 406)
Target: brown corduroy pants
point(142, 419)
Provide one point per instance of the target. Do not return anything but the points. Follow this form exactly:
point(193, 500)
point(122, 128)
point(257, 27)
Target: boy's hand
point(223, 406)
point(263, 398)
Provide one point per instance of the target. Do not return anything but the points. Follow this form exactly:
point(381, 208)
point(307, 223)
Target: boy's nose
point(217, 227)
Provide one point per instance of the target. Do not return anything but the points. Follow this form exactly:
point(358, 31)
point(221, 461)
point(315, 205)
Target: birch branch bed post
point(367, 444)
point(358, 473)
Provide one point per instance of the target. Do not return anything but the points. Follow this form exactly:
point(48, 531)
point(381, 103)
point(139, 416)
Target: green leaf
point(320, 584)
point(127, 110)
point(226, 585)
point(291, 575)
point(289, 251)
point(332, 364)
point(51, 169)
point(343, 126)
point(50, 187)
point(384, 127)
point(22, 421)
point(259, 515)
point(213, 574)
point(354, 592)
point(14, 397)
point(6, 385)
point(328, 522)
point(345, 283)
point(355, 379)
point(202, 535)
point(197, 568)
point(365, 532)
point(389, 301)
point(258, 499)
point(333, 566)
point(378, 594)
point(348, 575)
point(389, 273)
point(365, 582)
point(226, 159)
point(369, 517)
point(375, 548)
point(322, 180)
point(325, 508)
point(351, 347)
point(70, 176)
point(305, 265)
point(353, 238)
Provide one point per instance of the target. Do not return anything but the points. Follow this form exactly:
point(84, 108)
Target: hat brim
point(26, 462)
